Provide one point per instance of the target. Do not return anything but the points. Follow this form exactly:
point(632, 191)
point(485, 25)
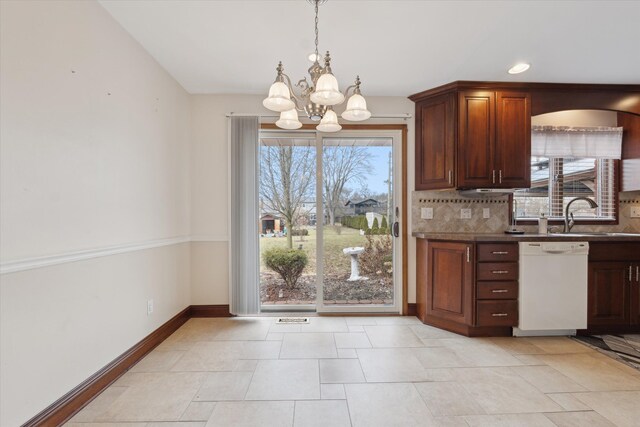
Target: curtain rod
point(374, 116)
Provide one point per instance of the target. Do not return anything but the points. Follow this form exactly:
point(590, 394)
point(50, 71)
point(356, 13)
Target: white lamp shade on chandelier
point(289, 120)
point(356, 109)
point(279, 98)
point(329, 122)
point(315, 97)
point(326, 91)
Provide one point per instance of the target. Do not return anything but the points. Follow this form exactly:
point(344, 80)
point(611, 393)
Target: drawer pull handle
point(499, 314)
point(500, 271)
point(500, 252)
point(499, 291)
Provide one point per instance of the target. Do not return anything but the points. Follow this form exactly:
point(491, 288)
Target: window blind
point(555, 181)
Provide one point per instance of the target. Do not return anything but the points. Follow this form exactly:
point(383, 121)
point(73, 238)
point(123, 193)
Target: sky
point(379, 169)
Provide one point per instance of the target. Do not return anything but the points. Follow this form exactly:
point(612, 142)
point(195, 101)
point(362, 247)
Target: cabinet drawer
point(497, 252)
point(498, 290)
point(498, 271)
point(497, 313)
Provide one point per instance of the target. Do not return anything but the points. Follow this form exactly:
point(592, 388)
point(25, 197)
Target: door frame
point(404, 216)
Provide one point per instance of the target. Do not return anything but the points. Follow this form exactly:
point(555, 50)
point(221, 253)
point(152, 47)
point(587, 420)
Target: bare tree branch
point(287, 178)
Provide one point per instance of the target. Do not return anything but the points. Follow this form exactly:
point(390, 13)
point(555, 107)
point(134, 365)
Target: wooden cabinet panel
point(609, 293)
point(497, 252)
point(476, 137)
point(614, 251)
point(497, 313)
point(498, 271)
point(450, 281)
point(497, 290)
point(634, 294)
point(512, 158)
point(435, 143)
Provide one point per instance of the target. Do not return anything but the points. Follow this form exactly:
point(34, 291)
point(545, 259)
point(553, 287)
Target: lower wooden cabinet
point(609, 293)
point(614, 287)
point(450, 281)
point(458, 292)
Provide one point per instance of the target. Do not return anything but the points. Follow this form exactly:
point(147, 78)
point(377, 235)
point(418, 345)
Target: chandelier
point(317, 98)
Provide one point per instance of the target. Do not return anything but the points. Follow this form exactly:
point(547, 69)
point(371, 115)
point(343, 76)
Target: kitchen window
point(557, 180)
point(569, 162)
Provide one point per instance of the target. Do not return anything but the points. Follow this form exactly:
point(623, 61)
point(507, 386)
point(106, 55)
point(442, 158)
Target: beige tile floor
point(364, 371)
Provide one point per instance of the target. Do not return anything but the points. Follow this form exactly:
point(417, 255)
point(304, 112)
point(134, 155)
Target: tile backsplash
point(447, 207)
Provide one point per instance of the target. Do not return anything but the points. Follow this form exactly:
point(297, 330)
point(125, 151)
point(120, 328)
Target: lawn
point(335, 261)
point(337, 268)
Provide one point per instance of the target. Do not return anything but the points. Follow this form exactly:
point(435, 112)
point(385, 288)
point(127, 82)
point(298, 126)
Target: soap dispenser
point(542, 224)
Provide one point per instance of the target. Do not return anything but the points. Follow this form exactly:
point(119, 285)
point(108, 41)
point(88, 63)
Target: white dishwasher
point(552, 297)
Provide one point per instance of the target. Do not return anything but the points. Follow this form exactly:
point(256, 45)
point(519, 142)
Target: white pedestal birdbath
point(355, 268)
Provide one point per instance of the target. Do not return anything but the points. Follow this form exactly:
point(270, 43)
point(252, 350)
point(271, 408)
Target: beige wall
point(210, 185)
point(95, 146)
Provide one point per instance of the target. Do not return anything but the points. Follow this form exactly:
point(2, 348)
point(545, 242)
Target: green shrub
point(384, 225)
point(375, 228)
point(299, 232)
point(288, 263)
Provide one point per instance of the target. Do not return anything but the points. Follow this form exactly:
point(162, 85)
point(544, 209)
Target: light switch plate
point(149, 307)
point(486, 213)
point(635, 211)
point(465, 213)
point(426, 213)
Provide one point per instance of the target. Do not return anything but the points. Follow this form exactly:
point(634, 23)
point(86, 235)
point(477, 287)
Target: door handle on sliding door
point(396, 225)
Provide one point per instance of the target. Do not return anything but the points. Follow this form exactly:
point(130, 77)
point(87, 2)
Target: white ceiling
point(397, 47)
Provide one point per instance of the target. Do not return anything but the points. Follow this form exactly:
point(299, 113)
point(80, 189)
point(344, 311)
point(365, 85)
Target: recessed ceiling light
point(519, 68)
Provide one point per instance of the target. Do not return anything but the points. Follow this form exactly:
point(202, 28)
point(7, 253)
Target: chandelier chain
point(316, 27)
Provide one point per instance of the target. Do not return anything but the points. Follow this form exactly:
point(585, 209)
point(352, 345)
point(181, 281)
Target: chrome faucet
point(568, 223)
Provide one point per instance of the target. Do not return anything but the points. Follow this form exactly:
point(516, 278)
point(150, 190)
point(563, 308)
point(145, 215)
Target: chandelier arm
point(346, 91)
point(296, 100)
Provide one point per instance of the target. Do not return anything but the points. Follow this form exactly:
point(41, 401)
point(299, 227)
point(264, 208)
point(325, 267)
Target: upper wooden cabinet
point(435, 154)
point(512, 156)
point(478, 134)
point(472, 139)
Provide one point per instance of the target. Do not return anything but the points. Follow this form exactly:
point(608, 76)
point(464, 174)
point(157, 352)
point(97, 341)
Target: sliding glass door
point(327, 212)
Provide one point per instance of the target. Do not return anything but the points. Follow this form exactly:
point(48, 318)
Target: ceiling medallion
point(316, 99)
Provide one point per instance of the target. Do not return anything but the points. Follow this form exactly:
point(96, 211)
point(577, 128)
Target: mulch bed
point(375, 290)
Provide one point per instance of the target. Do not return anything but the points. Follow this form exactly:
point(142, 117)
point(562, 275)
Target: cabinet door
point(476, 137)
point(512, 159)
point(609, 293)
point(435, 143)
point(450, 281)
point(635, 294)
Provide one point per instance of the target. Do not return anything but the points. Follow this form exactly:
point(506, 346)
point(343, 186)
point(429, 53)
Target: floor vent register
point(293, 320)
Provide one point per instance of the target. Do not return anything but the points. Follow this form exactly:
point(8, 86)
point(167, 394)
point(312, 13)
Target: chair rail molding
point(23, 264)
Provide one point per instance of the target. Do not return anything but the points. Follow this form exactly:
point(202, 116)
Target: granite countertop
point(528, 237)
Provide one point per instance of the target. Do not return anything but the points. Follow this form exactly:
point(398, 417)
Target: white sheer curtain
point(565, 141)
point(243, 146)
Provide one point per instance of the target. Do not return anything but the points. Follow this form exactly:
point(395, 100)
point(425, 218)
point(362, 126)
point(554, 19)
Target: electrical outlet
point(426, 213)
point(635, 211)
point(149, 307)
point(486, 213)
point(465, 213)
